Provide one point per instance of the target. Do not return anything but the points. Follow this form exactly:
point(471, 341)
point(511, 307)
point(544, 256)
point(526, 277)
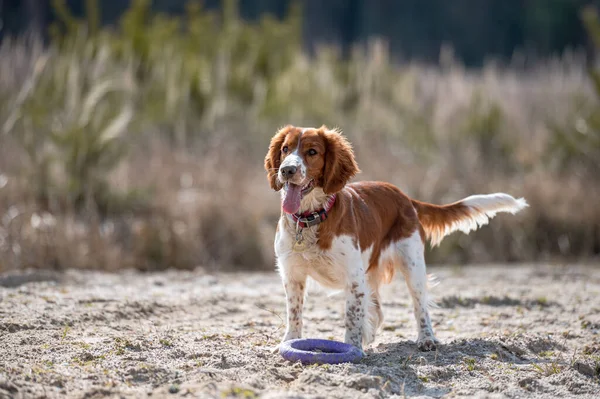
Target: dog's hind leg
point(374, 312)
point(413, 267)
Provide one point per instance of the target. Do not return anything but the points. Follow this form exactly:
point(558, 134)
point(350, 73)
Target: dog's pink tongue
point(291, 199)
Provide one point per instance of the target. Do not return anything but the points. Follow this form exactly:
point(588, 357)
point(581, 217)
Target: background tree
point(414, 29)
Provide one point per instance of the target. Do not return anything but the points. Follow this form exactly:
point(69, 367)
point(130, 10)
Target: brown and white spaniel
point(354, 236)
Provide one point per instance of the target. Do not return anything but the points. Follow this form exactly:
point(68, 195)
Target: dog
point(353, 237)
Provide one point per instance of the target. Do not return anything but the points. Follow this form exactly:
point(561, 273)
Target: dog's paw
point(427, 344)
point(275, 349)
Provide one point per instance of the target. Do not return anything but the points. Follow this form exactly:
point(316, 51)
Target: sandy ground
point(519, 331)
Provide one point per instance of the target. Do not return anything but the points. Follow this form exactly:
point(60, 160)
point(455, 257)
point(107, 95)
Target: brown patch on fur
point(388, 271)
point(376, 213)
point(435, 218)
point(273, 158)
point(340, 165)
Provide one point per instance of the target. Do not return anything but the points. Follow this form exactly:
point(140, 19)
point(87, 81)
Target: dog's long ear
point(340, 165)
point(273, 158)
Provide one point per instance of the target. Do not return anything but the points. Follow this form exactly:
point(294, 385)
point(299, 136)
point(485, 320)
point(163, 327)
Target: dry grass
point(110, 160)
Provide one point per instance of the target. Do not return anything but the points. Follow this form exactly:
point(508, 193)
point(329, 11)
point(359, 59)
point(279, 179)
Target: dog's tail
point(465, 215)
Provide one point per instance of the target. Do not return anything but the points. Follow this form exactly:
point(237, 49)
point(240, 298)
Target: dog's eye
point(285, 149)
point(312, 151)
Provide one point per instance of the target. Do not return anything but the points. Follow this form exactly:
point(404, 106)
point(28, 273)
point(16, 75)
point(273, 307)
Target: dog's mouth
point(293, 195)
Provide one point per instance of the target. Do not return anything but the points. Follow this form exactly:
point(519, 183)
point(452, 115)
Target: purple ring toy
point(319, 351)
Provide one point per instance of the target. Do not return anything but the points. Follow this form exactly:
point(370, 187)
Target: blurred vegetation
point(576, 141)
point(414, 29)
point(141, 145)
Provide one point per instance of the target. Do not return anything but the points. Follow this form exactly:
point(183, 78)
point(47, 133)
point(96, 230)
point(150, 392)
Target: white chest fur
point(330, 268)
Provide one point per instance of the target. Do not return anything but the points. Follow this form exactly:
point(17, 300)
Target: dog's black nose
point(288, 171)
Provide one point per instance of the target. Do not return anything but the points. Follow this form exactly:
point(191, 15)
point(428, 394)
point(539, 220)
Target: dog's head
point(300, 159)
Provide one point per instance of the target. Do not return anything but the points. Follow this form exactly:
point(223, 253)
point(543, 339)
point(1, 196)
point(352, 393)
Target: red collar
point(308, 218)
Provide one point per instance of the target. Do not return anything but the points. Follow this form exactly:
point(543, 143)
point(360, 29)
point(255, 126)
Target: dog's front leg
point(294, 292)
point(356, 304)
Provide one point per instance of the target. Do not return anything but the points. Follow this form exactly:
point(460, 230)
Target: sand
point(506, 331)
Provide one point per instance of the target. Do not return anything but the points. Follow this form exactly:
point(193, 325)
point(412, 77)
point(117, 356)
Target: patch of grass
point(83, 362)
point(122, 344)
point(64, 333)
point(591, 349)
point(83, 345)
point(165, 342)
point(238, 392)
point(37, 370)
point(470, 363)
point(596, 365)
point(542, 301)
point(456, 300)
point(586, 324)
point(547, 369)
point(198, 362)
